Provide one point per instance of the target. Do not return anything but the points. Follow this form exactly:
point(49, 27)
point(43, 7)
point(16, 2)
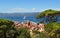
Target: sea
point(21, 18)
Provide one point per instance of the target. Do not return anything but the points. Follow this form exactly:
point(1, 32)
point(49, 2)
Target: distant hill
point(19, 14)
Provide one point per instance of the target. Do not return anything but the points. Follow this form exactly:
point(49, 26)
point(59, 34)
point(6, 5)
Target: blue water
point(20, 18)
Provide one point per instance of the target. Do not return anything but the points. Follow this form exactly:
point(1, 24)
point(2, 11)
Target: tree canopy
point(5, 26)
point(53, 29)
point(47, 13)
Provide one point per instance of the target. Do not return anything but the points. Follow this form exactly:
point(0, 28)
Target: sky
point(11, 6)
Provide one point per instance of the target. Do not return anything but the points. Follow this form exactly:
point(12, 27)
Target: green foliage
point(7, 30)
point(1, 33)
point(5, 22)
point(55, 33)
point(51, 26)
point(42, 35)
point(10, 33)
point(36, 31)
point(53, 29)
point(50, 15)
point(37, 34)
point(42, 21)
point(40, 15)
point(47, 13)
point(24, 33)
point(5, 25)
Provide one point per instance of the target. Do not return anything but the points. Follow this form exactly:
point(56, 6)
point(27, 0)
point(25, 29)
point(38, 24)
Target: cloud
point(13, 10)
point(33, 9)
point(18, 10)
point(22, 10)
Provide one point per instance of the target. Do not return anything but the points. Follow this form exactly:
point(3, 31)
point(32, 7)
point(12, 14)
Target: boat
point(24, 17)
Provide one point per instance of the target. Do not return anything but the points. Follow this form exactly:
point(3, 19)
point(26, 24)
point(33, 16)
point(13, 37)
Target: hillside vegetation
point(52, 27)
point(48, 12)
